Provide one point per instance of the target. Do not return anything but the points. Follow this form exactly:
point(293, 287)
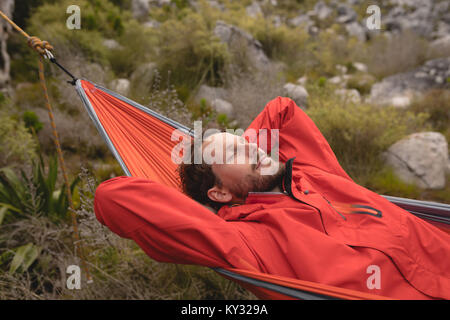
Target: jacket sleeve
point(168, 225)
point(298, 136)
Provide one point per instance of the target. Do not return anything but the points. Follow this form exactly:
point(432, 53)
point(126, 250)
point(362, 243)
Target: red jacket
point(309, 232)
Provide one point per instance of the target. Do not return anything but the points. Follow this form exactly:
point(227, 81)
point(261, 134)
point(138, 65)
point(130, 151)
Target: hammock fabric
point(140, 140)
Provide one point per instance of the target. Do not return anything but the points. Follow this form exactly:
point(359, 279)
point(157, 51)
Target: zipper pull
point(343, 217)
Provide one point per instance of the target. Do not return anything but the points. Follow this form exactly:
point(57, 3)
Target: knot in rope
point(42, 47)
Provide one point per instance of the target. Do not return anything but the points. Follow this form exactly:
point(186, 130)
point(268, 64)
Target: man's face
point(241, 166)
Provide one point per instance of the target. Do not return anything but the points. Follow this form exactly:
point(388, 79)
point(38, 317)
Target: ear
point(219, 195)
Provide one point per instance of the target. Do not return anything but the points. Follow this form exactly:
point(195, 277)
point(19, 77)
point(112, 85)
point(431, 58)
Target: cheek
point(234, 173)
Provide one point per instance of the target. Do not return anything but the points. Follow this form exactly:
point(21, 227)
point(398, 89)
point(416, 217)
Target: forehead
point(220, 138)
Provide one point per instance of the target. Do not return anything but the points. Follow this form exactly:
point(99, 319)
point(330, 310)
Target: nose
point(250, 152)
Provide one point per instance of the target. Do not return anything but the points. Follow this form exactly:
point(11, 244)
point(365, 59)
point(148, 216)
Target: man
point(307, 219)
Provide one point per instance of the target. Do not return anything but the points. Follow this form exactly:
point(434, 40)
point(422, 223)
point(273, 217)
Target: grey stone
point(351, 95)
point(237, 39)
point(222, 106)
point(210, 94)
point(322, 11)
point(111, 44)
point(254, 10)
point(345, 14)
point(356, 30)
point(360, 66)
point(400, 89)
point(121, 86)
point(420, 159)
point(142, 78)
point(297, 93)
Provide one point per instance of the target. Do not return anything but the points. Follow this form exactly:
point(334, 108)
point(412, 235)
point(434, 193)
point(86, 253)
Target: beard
point(258, 183)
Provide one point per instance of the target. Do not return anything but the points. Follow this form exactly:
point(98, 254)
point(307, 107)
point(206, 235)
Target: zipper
point(343, 217)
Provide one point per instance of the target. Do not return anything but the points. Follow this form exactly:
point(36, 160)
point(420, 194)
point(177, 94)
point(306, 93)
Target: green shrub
point(31, 121)
point(16, 142)
point(359, 133)
point(387, 183)
point(136, 48)
point(188, 49)
point(385, 56)
point(362, 82)
point(436, 103)
point(99, 20)
point(35, 192)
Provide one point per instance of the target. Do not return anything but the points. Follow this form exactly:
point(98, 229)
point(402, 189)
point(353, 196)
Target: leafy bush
point(359, 133)
point(436, 103)
point(401, 52)
point(34, 192)
point(189, 50)
point(16, 142)
point(31, 121)
point(99, 20)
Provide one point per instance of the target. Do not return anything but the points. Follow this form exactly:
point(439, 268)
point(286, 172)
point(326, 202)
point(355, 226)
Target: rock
point(440, 46)
point(341, 69)
point(402, 101)
point(254, 10)
point(222, 106)
point(297, 93)
point(210, 94)
point(360, 66)
point(351, 95)
point(420, 17)
point(300, 20)
point(111, 44)
point(302, 81)
point(420, 159)
point(237, 39)
point(339, 80)
point(142, 78)
point(140, 8)
point(121, 86)
point(216, 5)
point(400, 89)
point(151, 24)
point(356, 30)
point(322, 11)
point(345, 14)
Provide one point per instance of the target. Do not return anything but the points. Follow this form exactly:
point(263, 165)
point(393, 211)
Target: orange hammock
point(140, 140)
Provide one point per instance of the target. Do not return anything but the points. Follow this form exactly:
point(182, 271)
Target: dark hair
point(197, 179)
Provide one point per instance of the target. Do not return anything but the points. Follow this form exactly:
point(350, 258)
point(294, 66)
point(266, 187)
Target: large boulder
point(297, 93)
point(420, 159)
point(400, 89)
point(142, 78)
point(428, 19)
point(210, 94)
point(237, 39)
point(345, 14)
point(222, 107)
point(121, 86)
point(321, 11)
